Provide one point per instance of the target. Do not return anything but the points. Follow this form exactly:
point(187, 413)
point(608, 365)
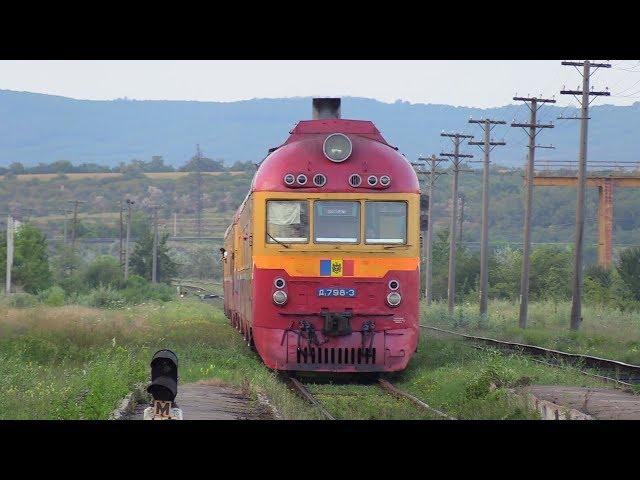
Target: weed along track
point(363, 400)
point(611, 371)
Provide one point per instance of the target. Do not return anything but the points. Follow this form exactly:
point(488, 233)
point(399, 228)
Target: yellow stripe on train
point(307, 266)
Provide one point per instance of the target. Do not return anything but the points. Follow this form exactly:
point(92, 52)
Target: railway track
point(614, 371)
point(384, 384)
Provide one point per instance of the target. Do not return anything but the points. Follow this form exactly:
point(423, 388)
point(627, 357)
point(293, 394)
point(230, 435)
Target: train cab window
point(336, 222)
point(287, 221)
point(385, 222)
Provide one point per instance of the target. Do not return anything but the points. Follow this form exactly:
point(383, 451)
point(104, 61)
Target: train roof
point(303, 153)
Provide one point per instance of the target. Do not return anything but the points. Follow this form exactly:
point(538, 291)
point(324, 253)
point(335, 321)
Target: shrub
point(138, 290)
point(628, 267)
point(104, 270)
point(53, 297)
point(22, 300)
point(104, 297)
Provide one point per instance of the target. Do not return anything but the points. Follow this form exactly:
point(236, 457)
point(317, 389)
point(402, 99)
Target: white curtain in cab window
point(283, 213)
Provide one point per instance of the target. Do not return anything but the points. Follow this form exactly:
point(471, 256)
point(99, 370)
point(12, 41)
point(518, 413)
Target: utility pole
point(576, 286)
point(121, 234)
point(130, 203)
point(534, 105)
point(486, 146)
point(428, 238)
point(154, 264)
point(74, 231)
point(175, 224)
point(455, 157)
point(461, 198)
point(10, 232)
point(199, 206)
point(65, 212)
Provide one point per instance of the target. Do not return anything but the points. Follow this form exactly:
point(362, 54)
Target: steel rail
point(587, 360)
point(396, 392)
point(306, 394)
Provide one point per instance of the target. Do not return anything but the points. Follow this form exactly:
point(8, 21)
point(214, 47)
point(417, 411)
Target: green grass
point(78, 363)
point(75, 362)
point(605, 332)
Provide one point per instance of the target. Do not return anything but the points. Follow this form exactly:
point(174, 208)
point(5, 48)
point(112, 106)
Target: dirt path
point(600, 403)
point(213, 401)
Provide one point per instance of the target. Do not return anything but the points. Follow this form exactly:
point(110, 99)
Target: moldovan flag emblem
point(336, 268)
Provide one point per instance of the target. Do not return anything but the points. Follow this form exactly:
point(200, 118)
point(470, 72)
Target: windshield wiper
point(277, 241)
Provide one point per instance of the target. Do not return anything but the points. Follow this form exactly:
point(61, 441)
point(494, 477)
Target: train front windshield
point(336, 222)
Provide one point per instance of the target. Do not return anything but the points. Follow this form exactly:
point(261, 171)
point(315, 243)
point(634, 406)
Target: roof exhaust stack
point(325, 108)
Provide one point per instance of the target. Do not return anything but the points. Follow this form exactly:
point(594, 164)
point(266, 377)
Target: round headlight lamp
point(279, 297)
point(337, 147)
point(393, 299)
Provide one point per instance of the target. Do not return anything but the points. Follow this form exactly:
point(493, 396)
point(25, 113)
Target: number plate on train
point(337, 292)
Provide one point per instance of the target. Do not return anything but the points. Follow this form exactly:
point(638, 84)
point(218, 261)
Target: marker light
point(319, 180)
point(279, 297)
point(302, 179)
point(337, 147)
point(385, 180)
point(355, 180)
point(372, 180)
point(393, 284)
point(289, 179)
point(279, 282)
point(393, 299)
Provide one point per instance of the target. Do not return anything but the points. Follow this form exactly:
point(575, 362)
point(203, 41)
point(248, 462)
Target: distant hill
point(43, 128)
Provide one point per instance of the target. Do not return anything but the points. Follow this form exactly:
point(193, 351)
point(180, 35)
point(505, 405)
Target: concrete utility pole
point(576, 286)
point(455, 157)
point(461, 218)
point(74, 231)
point(10, 232)
point(121, 234)
point(199, 206)
point(486, 146)
point(533, 128)
point(154, 264)
point(427, 236)
point(65, 212)
point(130, 203)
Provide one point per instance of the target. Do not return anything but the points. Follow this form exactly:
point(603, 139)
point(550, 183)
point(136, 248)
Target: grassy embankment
point(605, 332)
point(77, 362)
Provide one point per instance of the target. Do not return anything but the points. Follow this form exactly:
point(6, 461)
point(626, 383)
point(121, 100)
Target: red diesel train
point(321, 261)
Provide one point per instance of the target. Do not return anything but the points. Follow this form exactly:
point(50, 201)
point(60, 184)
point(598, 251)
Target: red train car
point(321, 261)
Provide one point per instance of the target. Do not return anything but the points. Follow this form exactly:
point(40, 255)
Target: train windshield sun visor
point(385, 223)
point(336, 222)
point(287, 221)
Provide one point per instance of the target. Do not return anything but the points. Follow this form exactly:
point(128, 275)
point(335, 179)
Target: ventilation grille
point(336, 356)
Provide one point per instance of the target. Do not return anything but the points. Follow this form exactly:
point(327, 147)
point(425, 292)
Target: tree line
point(155, 165)
point(550, 275)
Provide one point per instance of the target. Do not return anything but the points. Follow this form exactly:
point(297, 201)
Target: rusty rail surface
point(395, 391)
point(625, 373)
point(306, 394)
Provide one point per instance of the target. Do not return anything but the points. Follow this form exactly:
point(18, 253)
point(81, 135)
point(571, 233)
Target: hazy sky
point(477, 83)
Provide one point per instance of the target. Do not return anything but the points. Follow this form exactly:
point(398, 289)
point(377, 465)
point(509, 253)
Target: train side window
point(287, 221)
point(336, 222)
point(385, 222)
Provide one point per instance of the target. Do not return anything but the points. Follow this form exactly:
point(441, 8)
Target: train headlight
point(394, 299)
point(337, 147)
point(279, 297)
